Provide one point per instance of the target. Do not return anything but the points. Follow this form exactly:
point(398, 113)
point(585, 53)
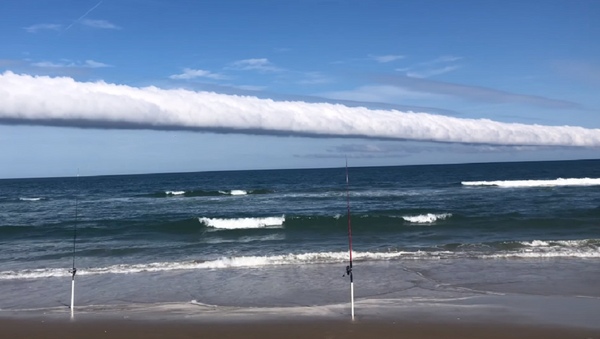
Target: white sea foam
point(541, 255)
point(240, 223)
point(226, 262)
point(30, 199)
point(298, 259)
point(587, 243)
point(536, 183)
point(426, 218)
point(234, 192)
point(175, 192)
point(535, 243)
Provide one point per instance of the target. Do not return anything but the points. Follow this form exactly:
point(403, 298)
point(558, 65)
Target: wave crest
point(234, 192)
point(225, 262)
point(170, 193)
point(426, 218)
point(243, 223)
point(536, 183)
point(588, 248)
point(202, 193)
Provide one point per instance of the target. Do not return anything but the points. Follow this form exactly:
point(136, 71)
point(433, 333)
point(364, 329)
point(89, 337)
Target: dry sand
point(130, 329)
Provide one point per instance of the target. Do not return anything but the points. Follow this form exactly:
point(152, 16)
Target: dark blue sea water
point(280, 237)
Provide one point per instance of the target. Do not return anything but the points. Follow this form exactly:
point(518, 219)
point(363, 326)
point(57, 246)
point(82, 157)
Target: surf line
point(73, 271)
point(349, 267)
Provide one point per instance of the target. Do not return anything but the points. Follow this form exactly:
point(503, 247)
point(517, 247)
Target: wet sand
point(129, 329)
point(489, 317)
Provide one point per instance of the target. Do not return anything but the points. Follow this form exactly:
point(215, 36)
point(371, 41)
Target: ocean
point(280, 237)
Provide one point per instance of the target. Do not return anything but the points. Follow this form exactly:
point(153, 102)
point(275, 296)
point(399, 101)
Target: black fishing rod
point(349, 267)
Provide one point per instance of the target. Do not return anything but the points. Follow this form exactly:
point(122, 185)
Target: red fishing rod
point(73, 271)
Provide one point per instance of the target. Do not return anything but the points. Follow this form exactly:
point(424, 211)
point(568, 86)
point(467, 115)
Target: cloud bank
point(62, 101)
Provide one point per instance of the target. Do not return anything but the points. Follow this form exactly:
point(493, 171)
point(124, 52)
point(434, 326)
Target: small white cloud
point(95, 64)
point(249, 87)
point(70, 64)
point(421, 70)
point(431, 72)
point(282, 49)
point(38, 27)
point(380, 93)
point(447, 58)
point(47, 64)
point(385, 58)
point(262, 64)
point(314, 78)
point(189, 73)
point(99, 24)
point(442, 59)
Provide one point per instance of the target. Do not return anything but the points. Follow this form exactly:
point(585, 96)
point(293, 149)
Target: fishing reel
point(73, 271)
point(348, 271)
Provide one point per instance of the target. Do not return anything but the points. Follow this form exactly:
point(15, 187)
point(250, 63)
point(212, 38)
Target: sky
point(146, 86)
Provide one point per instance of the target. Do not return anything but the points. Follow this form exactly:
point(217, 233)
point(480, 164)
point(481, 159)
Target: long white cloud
point(63, 101)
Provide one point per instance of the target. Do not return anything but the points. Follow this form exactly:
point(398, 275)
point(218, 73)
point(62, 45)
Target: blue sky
point(527, 62)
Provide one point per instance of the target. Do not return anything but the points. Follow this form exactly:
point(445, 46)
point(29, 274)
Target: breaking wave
point(31, 199)
point(537, 249)
point(536, 183)
point(203, 193)
point(170, 193)
point(234, 192)
point(426, 218)
point(228, 262)
point(243, 223)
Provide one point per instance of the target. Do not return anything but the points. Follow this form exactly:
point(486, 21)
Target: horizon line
point(296, 169)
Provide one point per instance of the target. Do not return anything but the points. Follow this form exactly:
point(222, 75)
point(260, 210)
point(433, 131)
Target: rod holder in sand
point(73, 271)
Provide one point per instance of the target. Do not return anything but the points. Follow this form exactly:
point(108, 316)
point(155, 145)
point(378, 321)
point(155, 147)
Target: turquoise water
point(200, 235)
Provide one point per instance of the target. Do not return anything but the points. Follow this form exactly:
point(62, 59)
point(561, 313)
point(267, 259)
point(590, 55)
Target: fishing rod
point(349, 267)
point(73, 271)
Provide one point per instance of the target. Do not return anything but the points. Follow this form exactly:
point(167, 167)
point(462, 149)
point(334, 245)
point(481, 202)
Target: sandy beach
point(65, 329)
point(478, 317)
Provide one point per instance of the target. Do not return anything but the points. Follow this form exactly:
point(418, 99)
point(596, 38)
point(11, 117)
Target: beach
point(488, 317)
point(317, 329)
point(491, 316)
point(455, 251)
